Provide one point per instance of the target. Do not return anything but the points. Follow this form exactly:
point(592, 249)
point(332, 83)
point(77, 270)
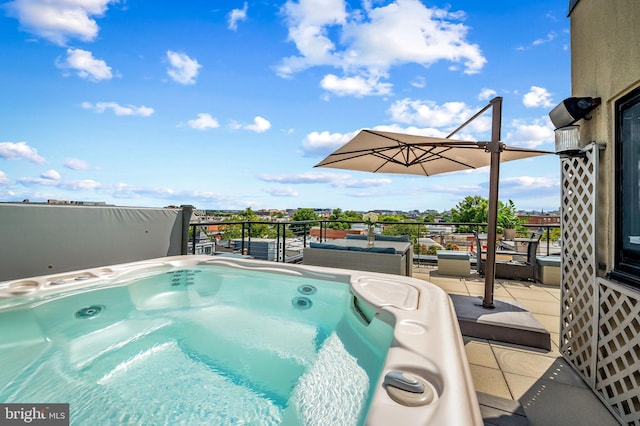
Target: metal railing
point(300, 232)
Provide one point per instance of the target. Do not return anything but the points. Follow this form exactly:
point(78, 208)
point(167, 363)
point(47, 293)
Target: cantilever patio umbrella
point(387, 152)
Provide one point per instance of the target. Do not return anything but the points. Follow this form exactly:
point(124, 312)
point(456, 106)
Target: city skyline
point(230, 106)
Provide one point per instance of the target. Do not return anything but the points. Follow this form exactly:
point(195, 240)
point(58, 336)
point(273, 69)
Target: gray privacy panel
point(40, 239)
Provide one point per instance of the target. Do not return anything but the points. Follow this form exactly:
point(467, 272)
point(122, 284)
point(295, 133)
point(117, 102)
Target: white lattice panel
point(600, 331)
point(579, 292)
point(618, 374)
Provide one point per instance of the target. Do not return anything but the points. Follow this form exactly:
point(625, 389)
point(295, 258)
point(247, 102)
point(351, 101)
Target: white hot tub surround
point(426, 377)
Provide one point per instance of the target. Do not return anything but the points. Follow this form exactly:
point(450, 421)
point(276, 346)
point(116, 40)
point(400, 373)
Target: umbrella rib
point(433, 156)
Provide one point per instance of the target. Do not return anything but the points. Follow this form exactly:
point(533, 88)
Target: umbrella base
point(508, 322)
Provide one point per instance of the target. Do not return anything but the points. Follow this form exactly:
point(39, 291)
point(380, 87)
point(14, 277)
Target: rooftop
point(520, 385)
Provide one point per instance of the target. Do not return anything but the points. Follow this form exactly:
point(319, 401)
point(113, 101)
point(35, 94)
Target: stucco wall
point(605, 63)
point(600, 333)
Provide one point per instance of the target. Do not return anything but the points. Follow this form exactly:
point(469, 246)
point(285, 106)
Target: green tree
point(554, 234)
point(400, 229)
point(473, 209)
point(429, 218)
point(393, 218)
point(508, 215)
point(255, 230)
point(304, 214)
point(337, 214)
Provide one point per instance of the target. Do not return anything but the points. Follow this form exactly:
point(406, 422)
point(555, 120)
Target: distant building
point(540, 219)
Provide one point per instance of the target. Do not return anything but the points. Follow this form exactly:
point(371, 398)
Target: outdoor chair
point(512, 269)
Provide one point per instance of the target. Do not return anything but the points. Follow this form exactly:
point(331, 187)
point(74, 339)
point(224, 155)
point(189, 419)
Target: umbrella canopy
point(386, 152)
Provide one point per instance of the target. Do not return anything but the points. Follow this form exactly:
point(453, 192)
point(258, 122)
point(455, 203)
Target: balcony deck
point(521, 385)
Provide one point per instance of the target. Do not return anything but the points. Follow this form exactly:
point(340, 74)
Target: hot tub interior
point(196, 343)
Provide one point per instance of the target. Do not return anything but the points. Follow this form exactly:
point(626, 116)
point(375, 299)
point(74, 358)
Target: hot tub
point(213, 340)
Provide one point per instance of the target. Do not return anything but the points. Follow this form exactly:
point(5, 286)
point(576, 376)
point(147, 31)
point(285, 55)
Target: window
point(627, 175)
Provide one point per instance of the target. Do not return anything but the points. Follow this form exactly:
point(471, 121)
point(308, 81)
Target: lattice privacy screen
point(600, 330)
point(579, 295)
point(617, 374)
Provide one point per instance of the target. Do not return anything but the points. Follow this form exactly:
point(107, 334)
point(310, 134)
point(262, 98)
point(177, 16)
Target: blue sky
point(230, 104)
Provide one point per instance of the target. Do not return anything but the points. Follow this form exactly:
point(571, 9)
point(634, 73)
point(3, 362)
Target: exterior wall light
point(568, 140)
point(571, 110)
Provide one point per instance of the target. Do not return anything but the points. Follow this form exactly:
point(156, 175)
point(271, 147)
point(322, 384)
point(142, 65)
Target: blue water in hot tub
point(196, 345)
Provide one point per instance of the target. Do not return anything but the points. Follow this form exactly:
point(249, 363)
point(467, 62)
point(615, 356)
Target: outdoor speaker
point(571, 110)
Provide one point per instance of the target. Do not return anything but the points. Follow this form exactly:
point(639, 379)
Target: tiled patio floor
point(538, 383)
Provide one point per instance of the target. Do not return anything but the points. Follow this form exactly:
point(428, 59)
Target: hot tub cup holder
point(23, 287)
point(409, 389)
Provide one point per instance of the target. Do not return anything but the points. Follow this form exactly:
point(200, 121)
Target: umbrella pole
point(494, 147)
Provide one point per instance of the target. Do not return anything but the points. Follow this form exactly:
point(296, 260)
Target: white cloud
point(318, 143)
point(203, 122)
point(19, 151)
point(355, 86)
point(366, 43)
point(486, 94)
point(530, 134)
point(75, 164)
point(528, 182)
point(51, 174)
point(70, 185)
point(237, 15)
point(3, 178)
point(85, 65)
point(303, 178)
point(183, 69)
point(364, 183)
point(60, 20)
point(550, 37)
point(429, 114)
point(537, 97)
point(259, 125)
point(337, 180)
point(419, 82)
point(117, 109)
point(282, 192)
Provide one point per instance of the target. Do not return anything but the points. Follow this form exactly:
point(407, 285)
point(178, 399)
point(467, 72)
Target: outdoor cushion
point(399, 238)
point(453, 254)
point(356, 237)
point(388, 250)
point(326, 246)
point(549, 260)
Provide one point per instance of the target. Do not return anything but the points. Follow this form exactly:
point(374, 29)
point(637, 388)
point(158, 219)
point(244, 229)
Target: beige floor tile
point(524, 363)
point(480, 353)
point(475, 289)
point(521, 348)
point(502, 294)
point(531, 294)
point(452, 286)
point(519, 385)
point(554, 291)
point(515, 284)
point(551, 308)
point(490, 381)
point(551, 323)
